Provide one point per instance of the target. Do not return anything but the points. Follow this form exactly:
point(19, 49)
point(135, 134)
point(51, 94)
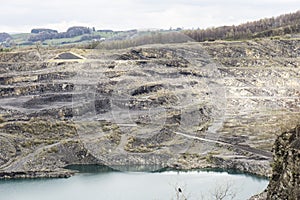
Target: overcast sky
point(23, 15)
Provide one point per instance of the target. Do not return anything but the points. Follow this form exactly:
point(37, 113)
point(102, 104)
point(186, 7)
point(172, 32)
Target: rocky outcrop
point(261, 196)
point(255, 166)
point(285, 181)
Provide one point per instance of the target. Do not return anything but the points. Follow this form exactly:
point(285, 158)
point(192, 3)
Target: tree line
point(141, 39)
point(47, 34)
point(268, 27)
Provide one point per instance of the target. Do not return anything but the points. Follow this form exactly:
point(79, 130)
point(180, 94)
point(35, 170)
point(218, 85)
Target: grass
point(36, 142)
point(53, 149)
point(131, 146)
point(104, 34)
point(20, 37)
point(62, 40)
point(42, 129)
point(76, 39)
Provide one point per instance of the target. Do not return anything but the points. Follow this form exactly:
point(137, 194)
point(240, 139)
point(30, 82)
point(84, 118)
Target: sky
point(23, 15)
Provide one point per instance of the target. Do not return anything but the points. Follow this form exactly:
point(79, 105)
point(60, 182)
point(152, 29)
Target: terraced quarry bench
point(193, 105)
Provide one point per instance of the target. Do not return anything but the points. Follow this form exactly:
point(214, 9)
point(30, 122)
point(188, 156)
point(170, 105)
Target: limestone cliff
point(285, 181)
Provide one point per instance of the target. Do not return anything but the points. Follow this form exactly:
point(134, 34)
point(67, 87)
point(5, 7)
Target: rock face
point(285, 181)
point(186, 106)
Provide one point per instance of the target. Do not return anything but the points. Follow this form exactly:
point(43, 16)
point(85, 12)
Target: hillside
point(268, 27)
point(214, 104)
point(73, 36)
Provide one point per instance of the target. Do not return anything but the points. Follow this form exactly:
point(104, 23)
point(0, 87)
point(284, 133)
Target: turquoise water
point(103, 183)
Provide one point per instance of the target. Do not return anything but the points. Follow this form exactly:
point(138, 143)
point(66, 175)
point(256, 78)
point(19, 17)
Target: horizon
point(133, 14)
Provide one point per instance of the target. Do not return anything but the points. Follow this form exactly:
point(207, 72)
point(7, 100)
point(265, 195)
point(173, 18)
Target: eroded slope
point(184, 105)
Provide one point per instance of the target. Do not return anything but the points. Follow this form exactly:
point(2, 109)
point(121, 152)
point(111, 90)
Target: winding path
point(249, 149)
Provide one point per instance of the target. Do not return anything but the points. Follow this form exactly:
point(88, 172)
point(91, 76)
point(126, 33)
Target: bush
point(1, 119)
point(5, 50)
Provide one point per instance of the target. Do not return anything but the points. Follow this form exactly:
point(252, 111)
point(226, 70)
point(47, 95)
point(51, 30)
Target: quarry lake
point(105, 183)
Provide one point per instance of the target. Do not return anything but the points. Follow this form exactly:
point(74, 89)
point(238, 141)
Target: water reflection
point(104, 169)
point(131, 183)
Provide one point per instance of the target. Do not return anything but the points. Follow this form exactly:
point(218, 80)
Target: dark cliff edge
point(285, 181)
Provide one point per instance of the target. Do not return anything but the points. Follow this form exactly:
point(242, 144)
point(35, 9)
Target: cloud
point(19, 15)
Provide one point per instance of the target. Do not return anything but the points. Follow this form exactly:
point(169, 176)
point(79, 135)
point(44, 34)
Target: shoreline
point(67, 173)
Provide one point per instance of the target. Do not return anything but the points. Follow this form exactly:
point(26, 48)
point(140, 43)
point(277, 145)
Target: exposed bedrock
point(193, 105)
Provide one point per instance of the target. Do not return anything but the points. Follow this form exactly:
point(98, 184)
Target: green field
point(22, 38)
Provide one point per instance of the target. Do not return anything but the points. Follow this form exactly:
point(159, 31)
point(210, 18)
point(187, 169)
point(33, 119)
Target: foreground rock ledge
point(285, 181)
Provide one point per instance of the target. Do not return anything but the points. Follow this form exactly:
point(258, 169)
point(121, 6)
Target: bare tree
point(38, 48)
point(224, 191)
point(220, 192)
